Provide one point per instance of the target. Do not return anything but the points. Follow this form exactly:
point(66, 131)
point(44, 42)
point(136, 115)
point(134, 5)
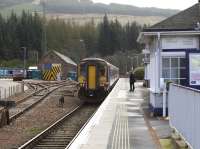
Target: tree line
point(76, 41)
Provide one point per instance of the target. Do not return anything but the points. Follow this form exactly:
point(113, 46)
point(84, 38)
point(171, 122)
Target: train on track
point(96, 78)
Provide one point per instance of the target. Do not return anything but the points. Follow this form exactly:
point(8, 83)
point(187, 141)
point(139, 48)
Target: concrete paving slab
point(119, 122)
point(161, 127)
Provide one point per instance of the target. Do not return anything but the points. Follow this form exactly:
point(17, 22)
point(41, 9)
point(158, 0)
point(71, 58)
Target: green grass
point(34, 131)
point(166, 143)
point(19, 8)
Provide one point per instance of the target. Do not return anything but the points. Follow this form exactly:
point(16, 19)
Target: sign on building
point(194, 65)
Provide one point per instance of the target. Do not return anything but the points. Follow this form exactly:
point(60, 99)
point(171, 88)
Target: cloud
point(36, 2)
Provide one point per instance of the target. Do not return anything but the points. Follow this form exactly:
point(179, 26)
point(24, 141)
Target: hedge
point(139, 73)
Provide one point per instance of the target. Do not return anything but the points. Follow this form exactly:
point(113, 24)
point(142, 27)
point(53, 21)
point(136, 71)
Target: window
point(173, 69)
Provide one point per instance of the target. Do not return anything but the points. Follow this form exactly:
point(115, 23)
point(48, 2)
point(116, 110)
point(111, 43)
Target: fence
point(184, 112)
point(5, 93)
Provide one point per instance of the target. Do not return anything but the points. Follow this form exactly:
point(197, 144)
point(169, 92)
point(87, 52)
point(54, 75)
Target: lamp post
point(82, 42)
point(131, 62)
point(137, 59)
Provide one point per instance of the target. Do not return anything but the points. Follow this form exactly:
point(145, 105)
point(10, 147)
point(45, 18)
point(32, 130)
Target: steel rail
point(44, 133)
point(33, 104)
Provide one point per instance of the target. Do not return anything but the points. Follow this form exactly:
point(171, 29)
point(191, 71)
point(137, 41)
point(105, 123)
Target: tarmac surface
point(119, 123)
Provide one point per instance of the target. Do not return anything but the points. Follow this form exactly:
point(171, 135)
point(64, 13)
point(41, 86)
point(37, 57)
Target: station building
point(172, 53)
point(55, 65)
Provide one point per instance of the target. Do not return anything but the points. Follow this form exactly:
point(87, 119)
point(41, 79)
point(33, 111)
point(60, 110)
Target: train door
point(91, 77)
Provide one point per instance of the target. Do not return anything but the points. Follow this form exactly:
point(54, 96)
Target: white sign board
point(180, 42)
point(194, 65)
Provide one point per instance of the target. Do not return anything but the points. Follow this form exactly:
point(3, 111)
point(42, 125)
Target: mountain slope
point(87, 6)
point(8, 3)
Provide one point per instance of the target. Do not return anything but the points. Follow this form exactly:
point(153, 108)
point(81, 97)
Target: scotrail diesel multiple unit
point(96, 78)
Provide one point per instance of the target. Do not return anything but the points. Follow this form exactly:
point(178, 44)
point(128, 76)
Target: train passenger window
point(102, 71)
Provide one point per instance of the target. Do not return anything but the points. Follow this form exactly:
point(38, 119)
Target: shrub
point(139, 73)
point(168, 84)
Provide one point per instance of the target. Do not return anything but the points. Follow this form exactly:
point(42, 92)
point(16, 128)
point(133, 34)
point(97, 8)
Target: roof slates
point(185, 20)
point(65, 58)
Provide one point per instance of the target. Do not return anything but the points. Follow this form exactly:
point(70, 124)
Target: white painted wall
point(147, 72)
point(153, 69)
point(167, 42)
point(180, 42)
point(153, 72)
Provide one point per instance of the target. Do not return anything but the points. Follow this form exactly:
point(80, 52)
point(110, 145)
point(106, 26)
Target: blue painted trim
point(188, 68)
point(156, 111)
point(187, 74)
point(178, 50)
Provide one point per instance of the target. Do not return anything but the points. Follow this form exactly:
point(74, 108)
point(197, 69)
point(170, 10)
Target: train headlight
point(83, 84)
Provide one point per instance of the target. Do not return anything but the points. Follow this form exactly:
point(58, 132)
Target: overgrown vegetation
point(34, 131)
point(139, 73)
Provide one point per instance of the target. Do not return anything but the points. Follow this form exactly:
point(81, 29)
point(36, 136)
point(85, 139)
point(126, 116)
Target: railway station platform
point(119, 123)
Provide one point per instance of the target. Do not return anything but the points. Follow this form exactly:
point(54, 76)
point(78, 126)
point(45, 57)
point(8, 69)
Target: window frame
point(170, 68)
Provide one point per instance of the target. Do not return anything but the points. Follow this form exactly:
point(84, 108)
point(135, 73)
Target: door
point(92, 77)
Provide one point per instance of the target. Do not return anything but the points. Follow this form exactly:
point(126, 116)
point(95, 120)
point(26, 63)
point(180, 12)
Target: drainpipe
point(158, 65)
point(158, 60)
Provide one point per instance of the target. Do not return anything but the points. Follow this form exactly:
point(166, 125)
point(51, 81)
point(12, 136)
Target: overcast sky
point(173, 4)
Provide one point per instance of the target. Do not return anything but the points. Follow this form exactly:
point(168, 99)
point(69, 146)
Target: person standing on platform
point(132, 81)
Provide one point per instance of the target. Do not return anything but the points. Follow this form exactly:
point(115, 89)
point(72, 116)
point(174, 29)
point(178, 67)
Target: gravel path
point(35, 120)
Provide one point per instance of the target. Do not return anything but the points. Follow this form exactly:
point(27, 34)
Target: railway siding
point(36, 119)
point(33, 99)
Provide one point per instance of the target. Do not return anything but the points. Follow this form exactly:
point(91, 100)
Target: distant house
point(174, 53)
point(55, 64)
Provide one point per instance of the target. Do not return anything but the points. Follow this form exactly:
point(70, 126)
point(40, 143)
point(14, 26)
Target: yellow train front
point(96, 78)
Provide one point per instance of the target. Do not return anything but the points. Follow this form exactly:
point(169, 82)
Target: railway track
point(33, 99)
point(60, 134)
point(37, 87)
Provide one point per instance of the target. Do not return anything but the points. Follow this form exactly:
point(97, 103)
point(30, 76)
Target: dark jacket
point(132, 78)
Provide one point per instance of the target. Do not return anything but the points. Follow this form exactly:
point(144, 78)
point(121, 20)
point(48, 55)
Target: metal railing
point(184, 113)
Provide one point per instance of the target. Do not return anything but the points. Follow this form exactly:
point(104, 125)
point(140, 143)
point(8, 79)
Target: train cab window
point(83, 70)
point(102, 78)
point(82, 73)
point(102, 72)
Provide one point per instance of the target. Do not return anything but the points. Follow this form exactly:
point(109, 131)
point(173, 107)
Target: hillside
point(9, 3)
point(81, 19)
point(84, 10)
point(87, 6)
